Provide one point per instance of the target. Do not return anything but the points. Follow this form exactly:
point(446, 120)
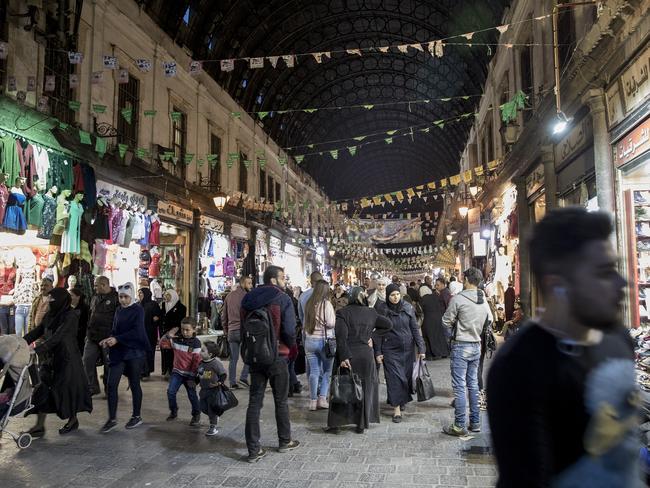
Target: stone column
point(525, 279)
point(550, 178)
point(594, 98)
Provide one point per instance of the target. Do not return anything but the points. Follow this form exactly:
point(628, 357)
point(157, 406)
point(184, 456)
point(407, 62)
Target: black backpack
point(259, 346)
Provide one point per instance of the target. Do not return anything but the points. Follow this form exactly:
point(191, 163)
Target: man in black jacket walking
point(271, 296)
point(102, 310)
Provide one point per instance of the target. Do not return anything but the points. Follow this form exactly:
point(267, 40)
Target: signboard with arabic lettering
point(211, 224)
point(635, 82)
point(110, 191)
point(633, 145)
point(577, 140)
point(168, 210)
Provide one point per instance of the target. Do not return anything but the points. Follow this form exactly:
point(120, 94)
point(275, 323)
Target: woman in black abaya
point(64, 387)
point(433, 331)
point(396, 350)
point(355, 325)
point(152, 316)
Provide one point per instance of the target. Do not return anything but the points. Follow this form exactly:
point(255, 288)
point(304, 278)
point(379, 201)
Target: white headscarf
point(127, 289)
point(169, 305)
point(455, 287)
point(424, 291)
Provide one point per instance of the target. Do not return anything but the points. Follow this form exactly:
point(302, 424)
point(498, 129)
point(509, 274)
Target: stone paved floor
point(412, 454)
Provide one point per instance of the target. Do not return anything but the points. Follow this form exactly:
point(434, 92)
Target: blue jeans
point(234, 341)
point(320, 367)
point(6, 320)
point(175, 382)
point(464, 378)
point(22, 319)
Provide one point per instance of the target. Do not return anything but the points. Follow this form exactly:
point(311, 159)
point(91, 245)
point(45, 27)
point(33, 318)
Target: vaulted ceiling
point(225, 29)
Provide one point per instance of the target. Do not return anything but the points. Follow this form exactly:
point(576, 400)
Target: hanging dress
point(35, 210)
point(14, 215)
point(48, 218)
point(71, 239)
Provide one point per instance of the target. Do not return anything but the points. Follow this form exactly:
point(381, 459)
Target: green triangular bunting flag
point(353, 150)
point(261, 162)
point(389, 140)
point(142, 152)
point(360, 138)
point(299, 158)
point(168, 155)
point(127, 113)
point(99, 109)
point(440, 124)
point(335, 153)
point(176, 116)
point(188, 158)
point(200, 162)
point(74, 105)
point(122, 149)
point(391, 132)
point(150, 113)
point(100, 146)
point(84, 137)
point(282, 161)
point(247, 163)
point(235, 115)
point(262, 114)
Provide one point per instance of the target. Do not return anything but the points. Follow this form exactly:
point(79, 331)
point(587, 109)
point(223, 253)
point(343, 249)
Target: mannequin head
point(19, 182)
point(66, 193)
point(79, 197)
point(502, 250)
point(72, 281)
point(53, 190)
point(3, 178)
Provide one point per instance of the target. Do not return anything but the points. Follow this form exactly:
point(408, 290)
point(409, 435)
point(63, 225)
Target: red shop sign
point(633, 145)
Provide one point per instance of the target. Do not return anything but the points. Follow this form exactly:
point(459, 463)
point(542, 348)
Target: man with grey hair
point(40, 305)
point(102, 311)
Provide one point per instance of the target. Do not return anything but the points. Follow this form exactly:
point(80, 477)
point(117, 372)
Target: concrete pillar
point(550, 178)
point(594, 98)
point(525, 279)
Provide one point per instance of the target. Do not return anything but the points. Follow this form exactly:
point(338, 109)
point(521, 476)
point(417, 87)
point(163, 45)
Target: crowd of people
point(556, 379)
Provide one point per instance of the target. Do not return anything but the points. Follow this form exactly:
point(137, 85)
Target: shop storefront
point(291, 259)
point(213, 257)
point(169, 259)
point(261, 253)
point(242, 252)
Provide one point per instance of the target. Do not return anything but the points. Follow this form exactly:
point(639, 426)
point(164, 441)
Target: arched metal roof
point(255, 28)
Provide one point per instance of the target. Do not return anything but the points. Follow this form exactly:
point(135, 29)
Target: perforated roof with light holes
point(221, 29)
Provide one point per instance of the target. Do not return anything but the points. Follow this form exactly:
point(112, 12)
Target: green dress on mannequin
point(71, 239)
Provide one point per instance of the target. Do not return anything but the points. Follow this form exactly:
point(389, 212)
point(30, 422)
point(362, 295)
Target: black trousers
point(278, 375)
point(132, 368)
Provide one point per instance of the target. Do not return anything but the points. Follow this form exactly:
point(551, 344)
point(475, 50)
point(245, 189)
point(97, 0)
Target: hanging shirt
point(42, 160)
point(9, 162)
point(27, 167)
point(4, 197)
point(34, 210)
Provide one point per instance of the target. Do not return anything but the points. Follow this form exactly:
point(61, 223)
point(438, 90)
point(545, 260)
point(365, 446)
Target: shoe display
point(69, 427)
point(212, 431)
point(196, 420)
point(253, 458)
point(133, 422)
point(454, 430)
point(288, 447)
point(108, 426)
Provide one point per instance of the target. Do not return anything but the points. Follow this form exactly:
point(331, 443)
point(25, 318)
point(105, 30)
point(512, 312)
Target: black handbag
point(346, 388)
point(424, 384)
point(224, 399)
point(330, 344)
point(223, 348)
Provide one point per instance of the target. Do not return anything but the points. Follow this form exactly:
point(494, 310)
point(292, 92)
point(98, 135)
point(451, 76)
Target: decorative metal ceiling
point(254, 28)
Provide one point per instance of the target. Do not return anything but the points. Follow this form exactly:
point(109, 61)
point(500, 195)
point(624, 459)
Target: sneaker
point(108, 426)
point(253, 458)
point(234, 386)
point(172, 416)
point(454, 430)
point(196, 420)
point(288, 447)
point(133, 422)
point(313, 405)
point(475, 428)
point(245, 383)
point(212, 431)
point(322, 403)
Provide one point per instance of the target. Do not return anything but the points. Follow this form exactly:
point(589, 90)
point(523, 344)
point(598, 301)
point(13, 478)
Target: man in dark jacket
point(272, 297)
point(102, 310)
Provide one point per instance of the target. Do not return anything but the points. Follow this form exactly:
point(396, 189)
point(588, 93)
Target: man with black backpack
point(268, 332)
point(467, 317)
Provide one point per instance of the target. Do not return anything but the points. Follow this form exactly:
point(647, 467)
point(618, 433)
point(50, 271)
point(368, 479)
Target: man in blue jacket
point(272, 297)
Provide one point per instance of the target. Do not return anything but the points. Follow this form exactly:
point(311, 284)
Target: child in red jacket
point(187, 356)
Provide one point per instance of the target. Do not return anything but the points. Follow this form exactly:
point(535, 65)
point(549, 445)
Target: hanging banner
point(171, 211)
point(110, 191)
point(50, 83)
point(75, 58)
point(110, 62)
point(195, 68)
point(123, 77)
point(144, 65)
point(31, 83)
point(74, 81)
point(170, 69)
point(474, 220)
point(227, 65)
point(239, 231)
point(97, 78)
point(12, 85)
point(211, 224)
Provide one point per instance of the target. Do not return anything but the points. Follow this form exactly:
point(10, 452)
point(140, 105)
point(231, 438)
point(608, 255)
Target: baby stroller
point(19, 376)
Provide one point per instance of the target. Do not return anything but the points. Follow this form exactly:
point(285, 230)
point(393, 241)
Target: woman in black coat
point(79, 303)
point(433, 331)
point(395, 350)
point(173, 312)
point(64, 387)
point(152, 316)
point(356, 324)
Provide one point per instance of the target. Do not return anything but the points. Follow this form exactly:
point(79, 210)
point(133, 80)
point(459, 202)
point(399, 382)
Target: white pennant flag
point(75, 58)
point(195, 68)
point(289, 60)
point(144, 65)
point(468, 36)
point(170, 68)
point(256, 63)
point(319, 56)
point(123, 77)
point(97, 78)
point(418, 47)
point(503, 28)
point(384, 49)
point(354, 51)
point(227, 65)
point(110, 62)
point(273, 60)
point(403, 48)
point(425, 198)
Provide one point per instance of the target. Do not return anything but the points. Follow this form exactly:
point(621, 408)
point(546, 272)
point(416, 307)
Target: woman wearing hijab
point(356, 324)
point(64, 386)
point(378, 296)
point(395, 350)
point(152, 315)
point(127, 355)
point(433, 332)
point(79, 303)
point(173, 312)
